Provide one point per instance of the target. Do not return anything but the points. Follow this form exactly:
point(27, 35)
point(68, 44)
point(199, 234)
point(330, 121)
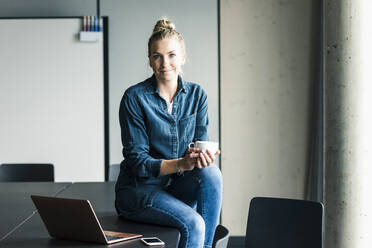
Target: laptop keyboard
point(109, 237)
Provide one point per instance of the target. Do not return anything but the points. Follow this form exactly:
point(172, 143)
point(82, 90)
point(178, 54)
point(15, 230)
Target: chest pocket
point(187, 128)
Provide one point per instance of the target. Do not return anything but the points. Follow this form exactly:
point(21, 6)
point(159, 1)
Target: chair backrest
point(221, 237)
point(114, 171)
point(26, 173)
point(284, 223)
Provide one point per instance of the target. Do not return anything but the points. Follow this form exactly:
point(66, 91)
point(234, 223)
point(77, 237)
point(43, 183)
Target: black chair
point(284, 223)
point(114, 171)
point(26, 173)
point(221, 237)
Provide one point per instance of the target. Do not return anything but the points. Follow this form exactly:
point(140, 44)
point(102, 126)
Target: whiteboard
point(52, 97)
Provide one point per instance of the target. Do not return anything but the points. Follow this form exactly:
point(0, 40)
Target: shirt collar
point(155, 89)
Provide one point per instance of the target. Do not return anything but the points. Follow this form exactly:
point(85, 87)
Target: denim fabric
point(173, 206)
point(150, 134)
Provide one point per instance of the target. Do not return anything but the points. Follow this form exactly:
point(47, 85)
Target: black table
point(31, 232)
point(16, 205)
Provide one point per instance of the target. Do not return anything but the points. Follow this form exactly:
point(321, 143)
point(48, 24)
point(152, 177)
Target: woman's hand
point(189, 161)
point(206, 159)
point(195, 157)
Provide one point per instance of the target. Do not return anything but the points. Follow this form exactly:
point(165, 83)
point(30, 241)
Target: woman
point(162, 180)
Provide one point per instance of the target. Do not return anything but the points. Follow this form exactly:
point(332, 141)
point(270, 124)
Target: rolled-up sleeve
point(135, 138)
point(202, 121)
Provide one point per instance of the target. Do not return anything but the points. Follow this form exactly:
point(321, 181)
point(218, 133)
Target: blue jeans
point(174, 206)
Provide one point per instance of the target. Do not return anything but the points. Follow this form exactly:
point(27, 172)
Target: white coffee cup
point(205, 145)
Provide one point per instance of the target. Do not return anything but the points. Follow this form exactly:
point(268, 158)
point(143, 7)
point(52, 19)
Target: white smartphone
point(152, 241)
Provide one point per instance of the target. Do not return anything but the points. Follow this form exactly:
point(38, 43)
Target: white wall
point(268, 66)
point(51, 97)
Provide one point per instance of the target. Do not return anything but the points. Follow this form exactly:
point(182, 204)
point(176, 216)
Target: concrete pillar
point(348, 123)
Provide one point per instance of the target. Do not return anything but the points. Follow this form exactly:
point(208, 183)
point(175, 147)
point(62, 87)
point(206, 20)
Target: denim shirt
point(150, 134)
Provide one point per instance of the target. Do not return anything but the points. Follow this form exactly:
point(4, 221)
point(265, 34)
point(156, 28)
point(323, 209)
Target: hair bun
point(164, 29)
point(164, 24)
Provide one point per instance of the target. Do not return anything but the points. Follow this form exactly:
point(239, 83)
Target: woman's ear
point(183, 59)
point(150, 62)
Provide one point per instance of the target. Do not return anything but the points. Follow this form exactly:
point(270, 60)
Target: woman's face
point(166, 59)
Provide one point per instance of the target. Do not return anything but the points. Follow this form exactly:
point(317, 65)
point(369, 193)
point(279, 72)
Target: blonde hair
point(164, 28)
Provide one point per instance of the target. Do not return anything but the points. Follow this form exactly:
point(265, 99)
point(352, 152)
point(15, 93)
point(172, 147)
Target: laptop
point(75, 219)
